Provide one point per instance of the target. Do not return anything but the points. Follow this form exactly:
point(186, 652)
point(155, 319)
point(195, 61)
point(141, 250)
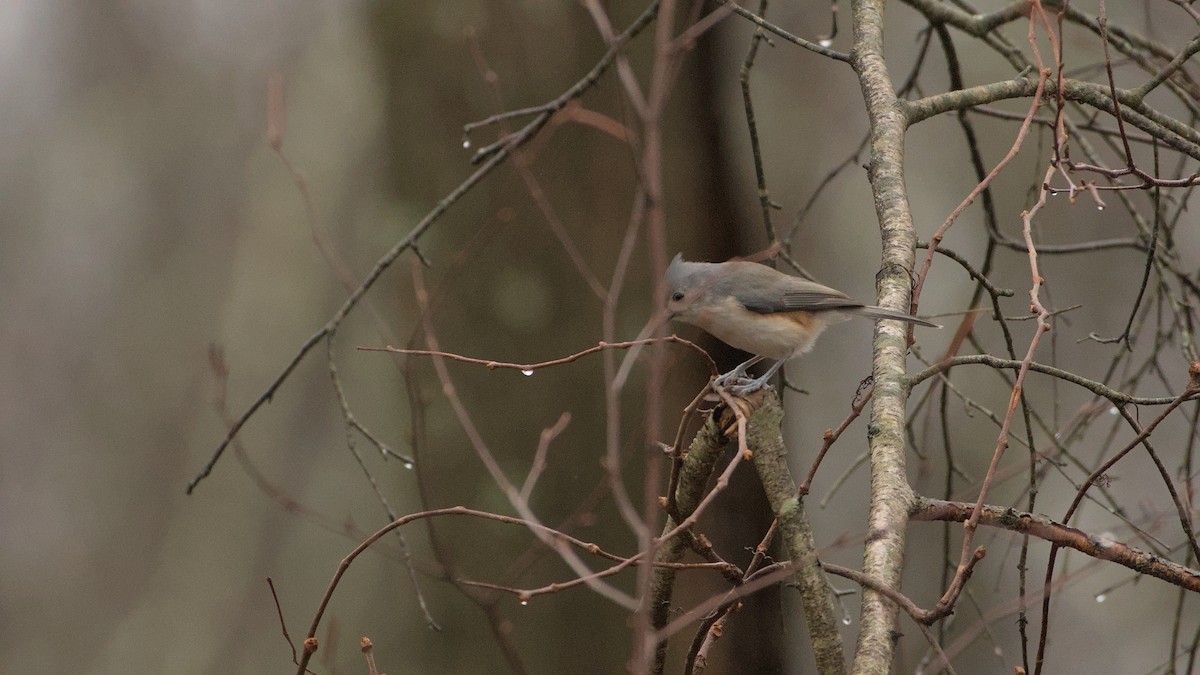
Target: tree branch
point(891, 496)
point(1042, 527)
point(764, 436)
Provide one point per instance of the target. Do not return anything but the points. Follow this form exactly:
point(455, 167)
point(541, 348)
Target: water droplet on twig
point(527, 372)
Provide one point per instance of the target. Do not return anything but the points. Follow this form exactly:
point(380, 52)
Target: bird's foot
point(746, 386)
point(730, 379)
point(737, 374)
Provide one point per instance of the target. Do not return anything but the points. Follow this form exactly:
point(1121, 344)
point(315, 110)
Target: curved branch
point(1117, 397)
point(976, 25)
point(1042, 527)
point(490, 157)
point(1174, 133)
point(794, 39)
point(1129, 43)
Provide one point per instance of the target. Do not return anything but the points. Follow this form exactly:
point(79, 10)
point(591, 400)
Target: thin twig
point(528, 369)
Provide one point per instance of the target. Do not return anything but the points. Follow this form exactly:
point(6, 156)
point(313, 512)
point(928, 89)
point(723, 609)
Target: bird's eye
point(677, 296)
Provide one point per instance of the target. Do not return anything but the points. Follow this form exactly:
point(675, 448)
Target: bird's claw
point(749, 387)
point(730, 379)
point(739, 384)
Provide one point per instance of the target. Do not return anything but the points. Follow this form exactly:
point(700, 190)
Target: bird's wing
point(767, 291)
point(810, 296)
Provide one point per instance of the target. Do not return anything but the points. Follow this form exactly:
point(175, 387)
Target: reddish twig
point(921, 617)
point(861, 398)
point(283, 624)
point(970, 555)
point(672, 507)
point(938, 235)
point(1091, 480)
point(489, 460)
point(712, 627)
point(767, 576)
point(311, 642)
point(539, 458)
point(529, 368)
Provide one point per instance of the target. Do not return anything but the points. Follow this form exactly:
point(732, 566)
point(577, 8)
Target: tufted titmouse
point(760, 310)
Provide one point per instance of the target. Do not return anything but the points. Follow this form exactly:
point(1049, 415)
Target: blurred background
point(152, 240)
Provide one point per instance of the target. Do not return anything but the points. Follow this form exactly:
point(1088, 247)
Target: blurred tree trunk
point(726, 232)
point(433, 77)
point(436, 85)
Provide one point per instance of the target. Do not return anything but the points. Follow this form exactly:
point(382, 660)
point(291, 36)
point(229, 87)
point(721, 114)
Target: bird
point(761, 310)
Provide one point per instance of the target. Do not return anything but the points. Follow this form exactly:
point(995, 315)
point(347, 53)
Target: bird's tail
point(881, 313)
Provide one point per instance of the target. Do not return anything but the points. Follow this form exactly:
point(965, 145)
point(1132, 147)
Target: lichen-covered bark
point(702, 456)
point(765, 440)
point(891, 496)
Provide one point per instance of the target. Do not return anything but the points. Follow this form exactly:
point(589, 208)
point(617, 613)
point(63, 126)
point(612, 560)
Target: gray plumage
point(761, 310)
point(765, 290)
